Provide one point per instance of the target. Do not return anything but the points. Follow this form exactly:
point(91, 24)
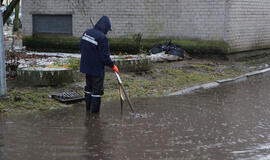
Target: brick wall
point(248, 24)
point(242, 23)
point(202, 19)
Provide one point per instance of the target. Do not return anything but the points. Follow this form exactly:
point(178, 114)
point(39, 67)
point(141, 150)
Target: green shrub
point(51, 44)
point(191, 46)
point(121, 45)
point(204, 47)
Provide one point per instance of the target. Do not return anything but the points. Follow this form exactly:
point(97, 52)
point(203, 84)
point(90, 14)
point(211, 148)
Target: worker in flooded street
point(95, 55)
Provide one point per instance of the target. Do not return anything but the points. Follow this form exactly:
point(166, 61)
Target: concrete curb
point(219, 82)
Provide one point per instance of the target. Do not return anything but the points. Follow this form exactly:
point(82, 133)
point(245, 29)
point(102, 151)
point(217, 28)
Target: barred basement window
point(52, 24)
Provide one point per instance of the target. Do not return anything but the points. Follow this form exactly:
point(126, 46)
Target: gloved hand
point(115, 69)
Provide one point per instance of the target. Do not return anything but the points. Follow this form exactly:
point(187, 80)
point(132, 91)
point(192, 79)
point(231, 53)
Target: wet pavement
point(228, 122)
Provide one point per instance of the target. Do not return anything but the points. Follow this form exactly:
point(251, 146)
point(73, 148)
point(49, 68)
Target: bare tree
point(81, 6)
point(16, 22)
point(9, 10)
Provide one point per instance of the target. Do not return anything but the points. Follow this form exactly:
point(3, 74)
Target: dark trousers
point(93, 92)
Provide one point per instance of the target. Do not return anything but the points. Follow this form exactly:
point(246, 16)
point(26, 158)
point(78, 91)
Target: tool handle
point(125, 93)
point(121, 102)
point(118, 77)
point(128, 100)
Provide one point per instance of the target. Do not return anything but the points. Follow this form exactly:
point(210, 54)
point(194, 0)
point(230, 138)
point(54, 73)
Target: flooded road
point(228, 122)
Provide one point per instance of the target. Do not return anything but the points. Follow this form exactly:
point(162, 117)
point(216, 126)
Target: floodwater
point(228, 122)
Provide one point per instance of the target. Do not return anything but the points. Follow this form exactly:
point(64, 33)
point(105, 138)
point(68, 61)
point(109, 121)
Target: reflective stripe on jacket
point(95, 52)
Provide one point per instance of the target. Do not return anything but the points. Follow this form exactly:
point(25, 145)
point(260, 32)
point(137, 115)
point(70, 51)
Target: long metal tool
point(121, 98)
point(125, 93)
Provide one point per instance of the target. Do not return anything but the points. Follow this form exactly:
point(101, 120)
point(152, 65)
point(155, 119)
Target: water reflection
point(95, 146)
point(228, 122)
point(2, 128)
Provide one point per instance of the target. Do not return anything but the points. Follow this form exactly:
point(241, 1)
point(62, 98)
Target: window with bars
point(52, 24)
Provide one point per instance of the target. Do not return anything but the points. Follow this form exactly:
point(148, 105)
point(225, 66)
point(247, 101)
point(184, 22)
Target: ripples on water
point(229, 122)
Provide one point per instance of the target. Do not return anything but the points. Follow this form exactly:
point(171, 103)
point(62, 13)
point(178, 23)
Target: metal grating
point(67, 97)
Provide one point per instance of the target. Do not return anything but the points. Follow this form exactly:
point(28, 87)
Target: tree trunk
point(16, 19)
point(9, 10)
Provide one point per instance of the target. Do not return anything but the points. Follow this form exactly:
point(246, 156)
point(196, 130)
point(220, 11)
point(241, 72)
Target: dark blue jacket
point(95, 52)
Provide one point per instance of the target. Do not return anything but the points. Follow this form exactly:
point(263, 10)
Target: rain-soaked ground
point(228, 122)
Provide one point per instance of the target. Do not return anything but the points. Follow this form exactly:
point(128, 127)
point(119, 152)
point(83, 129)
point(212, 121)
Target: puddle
point(227, 122)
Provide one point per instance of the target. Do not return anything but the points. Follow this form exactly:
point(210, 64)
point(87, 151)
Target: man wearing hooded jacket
point(95, 55)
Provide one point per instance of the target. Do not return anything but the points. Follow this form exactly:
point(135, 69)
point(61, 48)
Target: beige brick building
point(243, 24)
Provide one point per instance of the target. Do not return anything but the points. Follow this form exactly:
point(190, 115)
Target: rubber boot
point(88, 98)
point(95, 105)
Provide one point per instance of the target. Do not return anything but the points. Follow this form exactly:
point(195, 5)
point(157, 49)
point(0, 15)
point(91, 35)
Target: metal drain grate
point(67, 96)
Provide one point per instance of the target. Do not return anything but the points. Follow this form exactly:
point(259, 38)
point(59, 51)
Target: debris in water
point(137, 115)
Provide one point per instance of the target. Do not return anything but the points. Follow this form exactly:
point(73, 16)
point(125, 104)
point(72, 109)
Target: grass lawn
point(162, 79)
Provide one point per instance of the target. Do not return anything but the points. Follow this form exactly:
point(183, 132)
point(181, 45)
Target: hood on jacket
point(104, 24)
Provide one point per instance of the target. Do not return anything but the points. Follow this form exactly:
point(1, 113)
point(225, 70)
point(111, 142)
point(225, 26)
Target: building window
point(52, 24)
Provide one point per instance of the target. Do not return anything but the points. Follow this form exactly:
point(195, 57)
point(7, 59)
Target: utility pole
point(3, 83)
